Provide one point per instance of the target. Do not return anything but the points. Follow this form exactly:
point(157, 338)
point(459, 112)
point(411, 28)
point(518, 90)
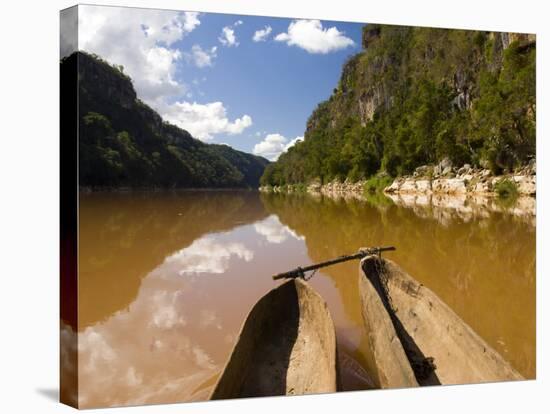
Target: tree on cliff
point(125, 143)
point(415, 96)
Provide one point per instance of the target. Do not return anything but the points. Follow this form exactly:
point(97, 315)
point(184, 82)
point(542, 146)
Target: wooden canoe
point(439, 346)
point(287, 346)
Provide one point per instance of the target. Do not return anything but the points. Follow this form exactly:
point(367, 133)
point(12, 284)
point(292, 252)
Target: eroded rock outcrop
point(445, 179)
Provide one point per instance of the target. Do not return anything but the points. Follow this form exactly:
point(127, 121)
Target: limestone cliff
point(414, 96)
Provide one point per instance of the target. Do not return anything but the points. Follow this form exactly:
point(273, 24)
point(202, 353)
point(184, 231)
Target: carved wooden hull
point(405, 318)
point(287, 346)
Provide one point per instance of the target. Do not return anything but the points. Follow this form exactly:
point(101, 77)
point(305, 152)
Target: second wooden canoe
point(393, 369)
point(287, 346)
point(440, 347)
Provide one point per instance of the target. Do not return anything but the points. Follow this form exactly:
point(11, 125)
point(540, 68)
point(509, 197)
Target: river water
point(166, 280)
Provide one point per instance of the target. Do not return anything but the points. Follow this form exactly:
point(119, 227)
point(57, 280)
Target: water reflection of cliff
point(124, 236)
point(446, 208)
point(167, 279)
point(483, 267)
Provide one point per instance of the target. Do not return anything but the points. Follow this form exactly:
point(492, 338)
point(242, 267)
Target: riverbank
point(445, 179)
point(442, 179)
point(444, 208)
point(441, 192)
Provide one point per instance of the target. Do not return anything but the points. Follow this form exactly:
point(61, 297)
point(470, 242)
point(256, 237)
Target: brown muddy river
point(166, 280)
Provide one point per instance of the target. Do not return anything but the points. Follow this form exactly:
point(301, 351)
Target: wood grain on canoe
point(393, 367)
point(287, 346)
point(432, 334)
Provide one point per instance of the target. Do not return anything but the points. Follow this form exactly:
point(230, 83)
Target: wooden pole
point(300, 271)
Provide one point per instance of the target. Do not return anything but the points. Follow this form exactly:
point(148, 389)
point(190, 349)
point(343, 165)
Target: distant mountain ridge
point(124, 143)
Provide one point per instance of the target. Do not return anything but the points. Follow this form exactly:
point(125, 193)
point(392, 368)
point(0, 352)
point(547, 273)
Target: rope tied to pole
point(301, 271)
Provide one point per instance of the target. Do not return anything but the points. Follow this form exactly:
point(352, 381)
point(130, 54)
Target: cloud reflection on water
point(161, 348)
point(207, 255)
point(274, 231)
point(158, 349)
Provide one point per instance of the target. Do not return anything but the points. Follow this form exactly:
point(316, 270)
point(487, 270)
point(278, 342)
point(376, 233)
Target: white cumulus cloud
point(140, 40)
point(143, 41)
point(274, 145)
point(202, 57)
point(262, 34)
point(312, 37)
point(205, 120)
point(228, 37)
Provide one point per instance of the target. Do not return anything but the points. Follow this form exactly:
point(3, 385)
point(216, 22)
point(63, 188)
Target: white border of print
point(30, 204)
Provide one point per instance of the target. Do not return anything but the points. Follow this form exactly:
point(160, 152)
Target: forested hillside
point(414, 96)
point(125, 143)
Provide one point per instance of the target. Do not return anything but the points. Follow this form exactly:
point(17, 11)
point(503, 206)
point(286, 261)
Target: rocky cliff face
point(125, 143)
point(115, 86)
point(375, 95)
point(414, 96)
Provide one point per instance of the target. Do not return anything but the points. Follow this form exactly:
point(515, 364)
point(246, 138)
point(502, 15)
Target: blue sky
point(205, 73)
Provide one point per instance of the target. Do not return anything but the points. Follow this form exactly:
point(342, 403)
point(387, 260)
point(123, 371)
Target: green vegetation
point(376, 184)
point(414, 96)
point(300, 188)
point(125, 143)
point(506, 188)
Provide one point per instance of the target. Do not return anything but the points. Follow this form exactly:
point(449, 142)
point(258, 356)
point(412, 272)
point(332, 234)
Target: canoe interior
point(440, 346)
point(393, 369)
point(286, 346)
